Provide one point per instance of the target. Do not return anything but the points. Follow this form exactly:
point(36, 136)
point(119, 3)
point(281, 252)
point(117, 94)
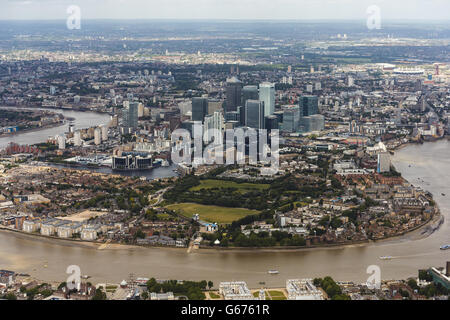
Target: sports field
point(221, 215)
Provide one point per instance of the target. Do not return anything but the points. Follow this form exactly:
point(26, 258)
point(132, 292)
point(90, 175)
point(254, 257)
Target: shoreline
point(98, 245)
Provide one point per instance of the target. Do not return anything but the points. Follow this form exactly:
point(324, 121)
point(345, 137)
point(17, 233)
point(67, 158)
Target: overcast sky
point(225, 9)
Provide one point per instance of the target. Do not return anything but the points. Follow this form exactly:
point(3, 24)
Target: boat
point(385, 258)
point(446, 247)
point(273, 272)
point(85, 277)
point(443, 194)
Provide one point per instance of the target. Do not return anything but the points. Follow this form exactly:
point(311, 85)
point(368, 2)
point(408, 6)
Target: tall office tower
point(279, 115)
point(254, 114)
point(309, 88)
point(213, 121)
point(291, 118)
point(267, 95)
point(271, 122)
point(214, 105)
point(249, 93)
point(310, 105)
point(130, 117)
point(61, 142)
point(234, 94)
point(52, 90)
point(97, 136)
point(199, 108)
point(384, 162)
point(289, 69)
point(241, 110)
point(318, 86)
point(77, 138)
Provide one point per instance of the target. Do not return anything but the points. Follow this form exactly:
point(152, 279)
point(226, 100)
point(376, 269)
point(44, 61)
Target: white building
point(235, 291)
point(61, 142)
point(104, 130)
point(30, 226)
point(303, 289)
point(77, 138)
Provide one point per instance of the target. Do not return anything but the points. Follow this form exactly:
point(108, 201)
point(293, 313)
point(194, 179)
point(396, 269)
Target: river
point(48, 260)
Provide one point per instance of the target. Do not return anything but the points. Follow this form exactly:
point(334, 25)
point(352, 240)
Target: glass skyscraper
point(199, 108)
point(291, 118)
point(234, 94)
point(130, 116)
point(249, 93)
point(254, 114)
point(310, 105)
point(267, 95)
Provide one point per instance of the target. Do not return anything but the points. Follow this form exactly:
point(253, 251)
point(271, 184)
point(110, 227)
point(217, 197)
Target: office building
point(271, 122)
point(249, 93)
point(315, 122)
point(199, 108)
point(291, 118)
point(130, 116)
point(214, 121)
point(309, 105)
point(254, 114)
point(234, 94)
point(267, 95)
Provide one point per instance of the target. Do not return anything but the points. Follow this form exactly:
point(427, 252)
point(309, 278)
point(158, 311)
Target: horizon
point(279, 10)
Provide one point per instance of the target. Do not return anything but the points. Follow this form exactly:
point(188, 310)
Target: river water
point(48, 260)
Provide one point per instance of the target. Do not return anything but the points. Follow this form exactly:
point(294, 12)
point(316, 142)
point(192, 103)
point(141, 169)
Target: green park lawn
point(241, 187)
point(221, 215)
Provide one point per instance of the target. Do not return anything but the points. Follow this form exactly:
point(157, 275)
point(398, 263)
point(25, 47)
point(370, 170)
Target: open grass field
point(241, 187)
point(221, 215)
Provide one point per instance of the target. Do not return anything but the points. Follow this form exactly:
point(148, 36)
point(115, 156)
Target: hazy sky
point(225, 9)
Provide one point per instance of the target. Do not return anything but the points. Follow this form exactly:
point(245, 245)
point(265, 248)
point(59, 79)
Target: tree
point(210, 284)
point(99, 295)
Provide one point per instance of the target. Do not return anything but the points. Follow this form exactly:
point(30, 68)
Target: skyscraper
point(199, 108)
point(249, 93)
point(309, 105)
point(234, 92)
point(267, 95)
point(130, 116)
point(254, 114)
point(291, 118)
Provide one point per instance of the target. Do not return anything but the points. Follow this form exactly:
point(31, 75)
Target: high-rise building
point(97, 136)
point(61, 142)
point(384, 162)
point(254, 114)
point(104, 130)
point(271, 122)
point(249, 93)
point(130, 116)
point(213, 121)
point(267, 95)
point(234, 94)
point(140, 110)
point(199, 108)
point(291, 118)
point(77, 138)
point(309, 105)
